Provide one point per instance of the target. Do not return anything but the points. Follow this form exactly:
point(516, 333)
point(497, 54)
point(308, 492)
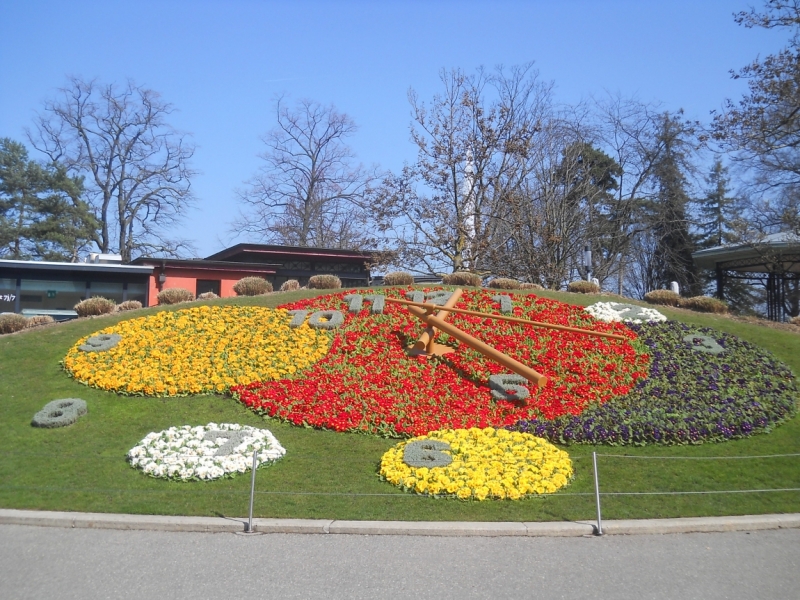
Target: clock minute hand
point(503, 359)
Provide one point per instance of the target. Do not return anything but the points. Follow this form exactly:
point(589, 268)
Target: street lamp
point(587, 262)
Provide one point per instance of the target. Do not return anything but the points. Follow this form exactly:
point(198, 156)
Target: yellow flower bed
point(200, 350)
point(487, 463)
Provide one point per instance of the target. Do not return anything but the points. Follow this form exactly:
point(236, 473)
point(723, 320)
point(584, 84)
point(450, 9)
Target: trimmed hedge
point(92, 307)
point(174, 296)
point(530, 286)
point(704, 304)
point(504, 283)
point(207, 296)
point(462, 278)
point(583, 287)
point(290, 285)
point(252, 286)
point(398, 278)
point(324, 282)
point(12, 322)
point(663, 297)
point(37, 320)
point(129, 305)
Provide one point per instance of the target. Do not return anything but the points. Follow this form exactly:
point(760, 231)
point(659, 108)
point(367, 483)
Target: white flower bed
point(204, 452)
point(617, 311)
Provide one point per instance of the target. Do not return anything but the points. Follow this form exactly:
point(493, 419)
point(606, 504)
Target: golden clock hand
point(427, 316)
point(431, 307)
point(425, 344)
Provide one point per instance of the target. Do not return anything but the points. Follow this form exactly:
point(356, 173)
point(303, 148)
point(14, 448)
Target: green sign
point(51, 293)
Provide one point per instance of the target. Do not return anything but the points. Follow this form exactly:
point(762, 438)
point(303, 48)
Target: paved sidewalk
point(429, 528)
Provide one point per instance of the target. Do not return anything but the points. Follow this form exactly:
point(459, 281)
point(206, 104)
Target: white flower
point(184, 453)
point(617, 311)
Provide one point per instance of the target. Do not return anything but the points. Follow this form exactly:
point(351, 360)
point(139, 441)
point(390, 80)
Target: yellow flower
point(199, 350)
point(488, 463)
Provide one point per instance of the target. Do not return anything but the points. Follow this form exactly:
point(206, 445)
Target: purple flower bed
point(689, 397)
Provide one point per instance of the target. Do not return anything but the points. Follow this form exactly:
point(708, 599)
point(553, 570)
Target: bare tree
point(445, 211)
point(308, 193)
point(135, 164)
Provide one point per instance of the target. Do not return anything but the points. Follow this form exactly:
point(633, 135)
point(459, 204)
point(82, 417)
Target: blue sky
point(221, 64)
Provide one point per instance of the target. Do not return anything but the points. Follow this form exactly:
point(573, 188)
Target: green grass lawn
point(332, 475)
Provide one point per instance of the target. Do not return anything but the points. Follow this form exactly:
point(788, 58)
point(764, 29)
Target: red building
point(277, 264)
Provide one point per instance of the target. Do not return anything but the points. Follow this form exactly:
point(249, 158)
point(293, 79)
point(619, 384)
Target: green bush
point(704, 304)
point(530, 286)
point(398, 278)
point(37, 320)
point(504, 283)
point(290, 285)
point(174, 296)
point(583, 287)
point(207, 296)
point(129, 305)
point(91, 307)
point(252, 286)
point(324, 282)
point(462, 278)
point(12, 322)
point(663, 297)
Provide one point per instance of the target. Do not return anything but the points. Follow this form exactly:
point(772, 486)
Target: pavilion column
point(720, 282)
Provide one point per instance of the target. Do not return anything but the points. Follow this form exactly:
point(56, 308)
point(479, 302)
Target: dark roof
point(756, 257)
point(203, 264)
point(40, 265)
point(288, 251)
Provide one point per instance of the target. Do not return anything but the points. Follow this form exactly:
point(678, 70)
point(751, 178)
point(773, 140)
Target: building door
point(208, 285)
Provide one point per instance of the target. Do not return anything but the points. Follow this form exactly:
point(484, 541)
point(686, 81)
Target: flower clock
point(440, 362)
point(204, 452)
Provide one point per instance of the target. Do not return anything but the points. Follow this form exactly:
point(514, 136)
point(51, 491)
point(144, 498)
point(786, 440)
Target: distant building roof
point(250, 251)
point(41, 265)
point(775, 250)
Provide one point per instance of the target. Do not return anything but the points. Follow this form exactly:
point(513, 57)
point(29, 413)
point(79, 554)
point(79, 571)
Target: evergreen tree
point(42, 215)
point(716, 226)
point(667, 211)
point(592, 180)
point(716, 210)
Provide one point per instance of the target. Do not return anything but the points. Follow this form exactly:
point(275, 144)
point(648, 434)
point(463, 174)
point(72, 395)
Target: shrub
point(504, 283)
point(704, 304)
point(129, 305)
point(583, 287)
point(530, 286)
point(664, 297)
point(207, 296)
point(92, 307)
point(252, 286)
point(290, 285)
point(11, 322)
point(462, 278)
point(37, 320)
point(795, 321)
point(398, 278)
point(324, 282)
point(174, 296)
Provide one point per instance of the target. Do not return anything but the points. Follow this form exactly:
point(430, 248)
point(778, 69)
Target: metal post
point(597, 494)
point(252, 493)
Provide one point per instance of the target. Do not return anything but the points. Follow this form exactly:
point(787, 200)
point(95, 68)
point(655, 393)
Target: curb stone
point(426, 528)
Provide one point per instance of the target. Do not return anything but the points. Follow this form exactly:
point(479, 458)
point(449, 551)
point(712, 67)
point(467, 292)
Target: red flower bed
point(368, 383)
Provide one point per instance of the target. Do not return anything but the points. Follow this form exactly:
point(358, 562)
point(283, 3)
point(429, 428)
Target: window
point(51, 295)
point(137, 291)
point(208, 285)
point(112, 291)
point(8, 295)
